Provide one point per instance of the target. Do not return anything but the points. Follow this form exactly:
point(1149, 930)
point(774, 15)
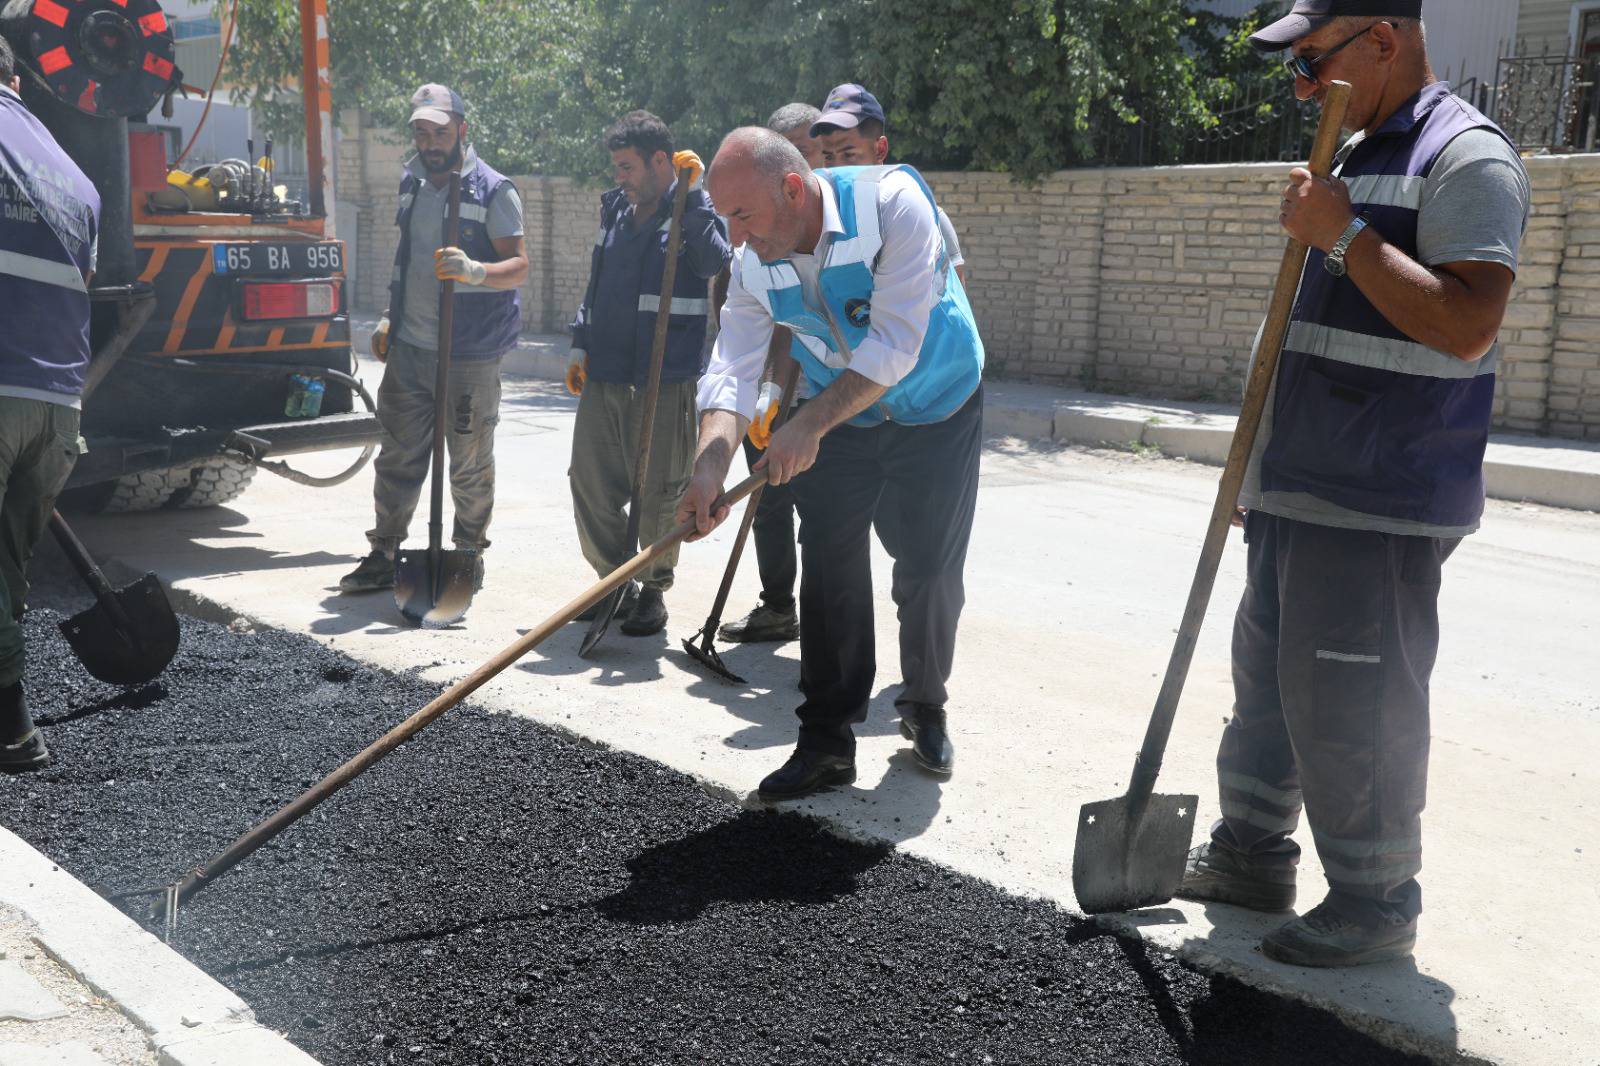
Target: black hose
point(282, 469)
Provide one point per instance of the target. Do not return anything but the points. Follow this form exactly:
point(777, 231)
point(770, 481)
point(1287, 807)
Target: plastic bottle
point(292, 407)
point(311, 403)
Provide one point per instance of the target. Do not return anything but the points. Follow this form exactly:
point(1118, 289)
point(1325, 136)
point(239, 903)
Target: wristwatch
point(1334, 263)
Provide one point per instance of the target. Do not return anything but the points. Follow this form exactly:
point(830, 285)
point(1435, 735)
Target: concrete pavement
point(1079, 564)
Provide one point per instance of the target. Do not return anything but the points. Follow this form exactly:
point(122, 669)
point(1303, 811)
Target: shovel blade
point(706, 655)
point(128, 654)
point(601, 623)
point(434, 589)
point(1127, 859)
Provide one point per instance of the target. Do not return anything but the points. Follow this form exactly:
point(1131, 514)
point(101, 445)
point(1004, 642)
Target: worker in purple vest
point(49, 221)
point(488, 266)
point(1366, 475)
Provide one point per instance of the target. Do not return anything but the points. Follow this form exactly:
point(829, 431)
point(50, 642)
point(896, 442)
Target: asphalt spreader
point(497, 892)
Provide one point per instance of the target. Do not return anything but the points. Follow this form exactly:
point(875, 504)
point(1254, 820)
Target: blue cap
point(846, 108)
point(436, 103)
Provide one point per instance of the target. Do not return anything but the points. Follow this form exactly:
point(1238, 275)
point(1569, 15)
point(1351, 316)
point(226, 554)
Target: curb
point(189, 1018)
point(1524, 469)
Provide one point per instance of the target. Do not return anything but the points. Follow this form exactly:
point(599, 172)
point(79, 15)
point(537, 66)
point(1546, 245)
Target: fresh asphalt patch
point(497, 892)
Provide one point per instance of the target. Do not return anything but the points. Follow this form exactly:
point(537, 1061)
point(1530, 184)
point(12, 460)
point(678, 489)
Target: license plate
point(272, 259)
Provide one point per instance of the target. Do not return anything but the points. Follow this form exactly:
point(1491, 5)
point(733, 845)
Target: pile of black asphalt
point(496, 892)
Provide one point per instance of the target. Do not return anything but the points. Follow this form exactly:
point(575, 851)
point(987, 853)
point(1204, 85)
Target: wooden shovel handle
point(359, 764)
point(1257, 388)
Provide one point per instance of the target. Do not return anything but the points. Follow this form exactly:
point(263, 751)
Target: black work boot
point(924, 726)
point(1222, 875)
point(806, 772)
point(373, 574)
point(21, 746)
point(1325, 937)
point(649, 614)
point(761, 625)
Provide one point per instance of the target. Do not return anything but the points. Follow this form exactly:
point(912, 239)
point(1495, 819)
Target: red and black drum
point(111, 58)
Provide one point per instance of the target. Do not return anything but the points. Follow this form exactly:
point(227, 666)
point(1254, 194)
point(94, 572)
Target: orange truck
point(220, 331)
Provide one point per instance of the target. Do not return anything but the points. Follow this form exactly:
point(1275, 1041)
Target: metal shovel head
point(700, 650)
point(434, 588)
point(1125, 860)
point(131, 653)
point(602, 621)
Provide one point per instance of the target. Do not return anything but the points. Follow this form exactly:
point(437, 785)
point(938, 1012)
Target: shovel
point(700, 646)
point(647, 409)
point(130, 635)
point(360, 763)
point(1131, 850)
point(434, 587)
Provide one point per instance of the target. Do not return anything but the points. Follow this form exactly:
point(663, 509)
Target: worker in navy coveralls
point(1366, 475)
point(49, 222)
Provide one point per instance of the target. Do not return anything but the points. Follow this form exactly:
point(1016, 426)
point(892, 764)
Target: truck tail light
point(291, 299)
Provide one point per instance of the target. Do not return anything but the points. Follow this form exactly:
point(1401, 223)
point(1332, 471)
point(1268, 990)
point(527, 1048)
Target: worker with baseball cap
point(487, 265)
point(1366, 474)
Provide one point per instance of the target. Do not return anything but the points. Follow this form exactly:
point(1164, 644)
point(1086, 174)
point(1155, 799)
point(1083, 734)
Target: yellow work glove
point(380, 340)
point(687, 160)
point(577, 371)
point(452, 264)
point(767, 406)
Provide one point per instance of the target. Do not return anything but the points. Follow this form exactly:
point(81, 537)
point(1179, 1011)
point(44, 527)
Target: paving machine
point(220, 334)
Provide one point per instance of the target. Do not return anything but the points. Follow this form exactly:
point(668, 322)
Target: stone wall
point(1149, 282)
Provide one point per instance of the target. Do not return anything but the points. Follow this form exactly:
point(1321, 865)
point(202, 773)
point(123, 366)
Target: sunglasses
point(1301, 67)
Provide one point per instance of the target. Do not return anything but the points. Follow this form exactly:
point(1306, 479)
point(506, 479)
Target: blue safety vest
point(1364, 417)
point(49, 218)
point(485, 324)
point(950, 361)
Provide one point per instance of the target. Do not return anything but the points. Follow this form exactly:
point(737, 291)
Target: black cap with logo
point(1309, 15)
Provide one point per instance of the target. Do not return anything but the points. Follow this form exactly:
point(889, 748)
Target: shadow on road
point(755, 857)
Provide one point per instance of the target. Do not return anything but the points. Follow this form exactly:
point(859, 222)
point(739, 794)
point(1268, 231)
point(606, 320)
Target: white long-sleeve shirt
point(906, 285)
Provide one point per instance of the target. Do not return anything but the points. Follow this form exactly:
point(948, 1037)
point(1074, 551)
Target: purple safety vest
point(1364, 417)
point(49, 217)
point(485, 324)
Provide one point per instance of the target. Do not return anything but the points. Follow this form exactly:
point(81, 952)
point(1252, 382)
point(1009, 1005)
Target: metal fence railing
point(1549, 102)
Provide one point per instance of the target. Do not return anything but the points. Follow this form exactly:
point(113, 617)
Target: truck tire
point(217, 482)
point(148, 491)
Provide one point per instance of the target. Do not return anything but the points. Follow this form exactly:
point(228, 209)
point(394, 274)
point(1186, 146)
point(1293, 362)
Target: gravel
point(496, 892)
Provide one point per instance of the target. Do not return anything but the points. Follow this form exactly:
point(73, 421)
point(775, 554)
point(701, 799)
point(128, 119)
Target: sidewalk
point(82, 985)
point(1556, 473)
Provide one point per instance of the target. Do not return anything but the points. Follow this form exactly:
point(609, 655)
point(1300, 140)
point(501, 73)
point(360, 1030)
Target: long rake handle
point(787, 378)
point(291, 812)
point(1148, 764)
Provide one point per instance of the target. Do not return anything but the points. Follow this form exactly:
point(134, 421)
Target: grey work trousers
point(605, 445)
point(405, 410)
point(39, 444)
point(1333, 645)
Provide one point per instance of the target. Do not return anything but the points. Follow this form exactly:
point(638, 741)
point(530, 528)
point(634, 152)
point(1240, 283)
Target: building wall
point(1545, 25)
point(1149, 282)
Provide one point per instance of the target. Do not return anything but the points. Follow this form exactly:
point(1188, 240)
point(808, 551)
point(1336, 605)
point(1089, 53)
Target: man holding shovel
point(851, 260)
point(1365, 476)
point(612, 340)
point(487, 269)
point(48, 226)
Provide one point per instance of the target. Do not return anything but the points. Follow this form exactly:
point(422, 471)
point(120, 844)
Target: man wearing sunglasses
point(1367, 473)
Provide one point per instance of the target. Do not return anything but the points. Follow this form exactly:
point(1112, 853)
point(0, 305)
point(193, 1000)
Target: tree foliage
point(1023, 86)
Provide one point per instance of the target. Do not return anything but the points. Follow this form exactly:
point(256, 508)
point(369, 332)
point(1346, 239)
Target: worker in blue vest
point(49, 222)
point(612, 339)
point(851, 260)
point(1367, 473)
point(488, 266)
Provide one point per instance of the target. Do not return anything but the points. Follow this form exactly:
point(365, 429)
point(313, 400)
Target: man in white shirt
point(852, 261)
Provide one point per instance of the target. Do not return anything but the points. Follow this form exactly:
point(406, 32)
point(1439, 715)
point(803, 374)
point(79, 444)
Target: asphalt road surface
point(500, 892)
